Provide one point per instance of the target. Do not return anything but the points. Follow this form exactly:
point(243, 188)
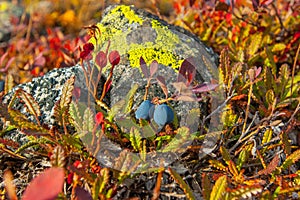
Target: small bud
point(114, 57)
point(88, 47)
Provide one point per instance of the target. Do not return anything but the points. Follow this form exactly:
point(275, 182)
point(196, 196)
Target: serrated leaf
point(246, 192)
point(267, 136)
point(285, 142)
point(283, 80)
point(135, 139)
point(183, 135)
point(192, 119)
point(271, 167)
point(255, 42)
point(72, 141)
point(217, 164)
point(88, 121)
point(22, 122)
point(270, 97)
point(278, 47)
point(126, 163)
point(219, 188)
point(67, 92)
point(232, 168)
point(9, 83)
point(291, 159)
point(30, 103)
point(186, 189)
point(130, 98)
point(61, 108)
point(116, 108)
point(58, 157)
point(76, 117)
point(224, 68)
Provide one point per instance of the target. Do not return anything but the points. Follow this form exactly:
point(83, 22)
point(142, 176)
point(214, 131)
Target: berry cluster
point(162, 113)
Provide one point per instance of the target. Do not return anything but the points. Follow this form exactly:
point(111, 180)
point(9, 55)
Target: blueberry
point(143, 110)
point(2, 85)
point(163, 115)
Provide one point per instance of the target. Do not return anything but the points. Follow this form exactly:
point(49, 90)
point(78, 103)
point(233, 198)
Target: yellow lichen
point(128, 14)
point(161, 50)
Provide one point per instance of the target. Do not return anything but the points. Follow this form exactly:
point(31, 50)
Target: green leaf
point(270, 97)
point(186, 189)
point(135, 139)
point(283, 80)
point(225, 154)
point(270, 62)
point(255, 43)
point(183, 135)
point(219, 188)
point(243, 156)
point(104, 178)
point(22, 122)
point(29, 101)
point(130, 98)
point(61, 108)
point(76, 118)
point(267, 136)
point(217, 164)
point(116, 108)
point(88, 121)
point(278, 47)
point(291, 159)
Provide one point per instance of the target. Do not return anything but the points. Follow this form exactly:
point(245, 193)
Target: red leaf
point(46, 185)
point(8, 64)
point(205, 87)
point(257, 71)
point(153, 67)
point(40, 60)
point(82, 194)
point(2, 58)
point(162, 83)
point(187, 71)
point(114, 57)
point(101, 59)
point(144, 68)
point(77, 92)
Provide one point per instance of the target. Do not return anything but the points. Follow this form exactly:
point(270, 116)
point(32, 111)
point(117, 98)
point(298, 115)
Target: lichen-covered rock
point(134, 33)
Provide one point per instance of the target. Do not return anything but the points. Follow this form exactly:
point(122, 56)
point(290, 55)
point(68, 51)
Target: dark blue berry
point(143, 110)
point(163, 115)
point(2, 85)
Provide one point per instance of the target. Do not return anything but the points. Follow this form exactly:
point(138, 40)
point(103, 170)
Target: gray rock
point(133, 33)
